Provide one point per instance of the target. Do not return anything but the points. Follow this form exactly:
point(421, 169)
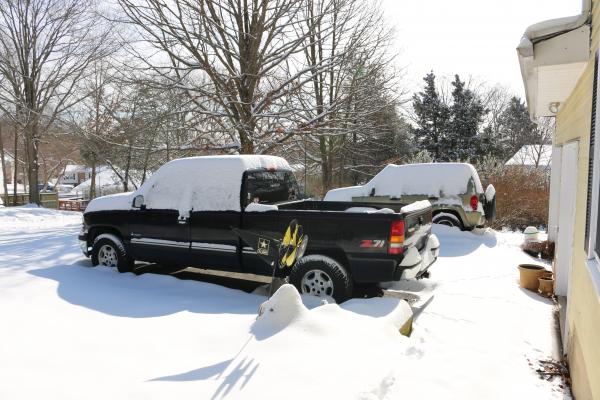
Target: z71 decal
point(367, 244)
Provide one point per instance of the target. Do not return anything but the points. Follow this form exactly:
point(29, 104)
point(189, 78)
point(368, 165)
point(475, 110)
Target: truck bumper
point(415, 262)
point(83, 245)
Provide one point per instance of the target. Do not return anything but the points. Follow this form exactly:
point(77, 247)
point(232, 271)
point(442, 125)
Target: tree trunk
point(127, 166)
point(15, 165)
point(3, 167)
point(247, 146)
point(32, 163)
point(325, 167)
point(93, 179)
point(146, 161)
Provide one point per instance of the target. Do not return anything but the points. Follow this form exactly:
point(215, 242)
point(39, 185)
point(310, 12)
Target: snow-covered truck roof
point(206, 183)
point(431, 179)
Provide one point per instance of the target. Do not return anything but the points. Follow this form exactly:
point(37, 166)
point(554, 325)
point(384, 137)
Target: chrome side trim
point(160, 242)
point(214, 247)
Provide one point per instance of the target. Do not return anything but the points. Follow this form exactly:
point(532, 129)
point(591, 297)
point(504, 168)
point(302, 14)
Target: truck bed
point(417, 224)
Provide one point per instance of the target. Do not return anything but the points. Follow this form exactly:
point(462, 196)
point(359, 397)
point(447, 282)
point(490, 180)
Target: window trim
point(593, 258)
point(593, 223)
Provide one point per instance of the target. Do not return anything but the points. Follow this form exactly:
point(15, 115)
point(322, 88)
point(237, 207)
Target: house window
point(592, 225)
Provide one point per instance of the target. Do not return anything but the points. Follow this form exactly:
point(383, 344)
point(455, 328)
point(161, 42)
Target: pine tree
point(467, 113)
point(432, 116)
point(515, 129)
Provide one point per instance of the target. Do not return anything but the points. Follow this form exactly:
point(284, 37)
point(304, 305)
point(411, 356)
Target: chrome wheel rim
point(317, 283)
point(446, 222)
point(107, 256)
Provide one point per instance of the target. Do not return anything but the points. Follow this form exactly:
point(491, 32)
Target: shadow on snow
point(455, 243)
point(105, 290)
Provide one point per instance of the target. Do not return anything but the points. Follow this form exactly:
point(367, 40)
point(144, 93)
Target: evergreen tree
point(467, 113)
point(432, 115)
point(515, 129)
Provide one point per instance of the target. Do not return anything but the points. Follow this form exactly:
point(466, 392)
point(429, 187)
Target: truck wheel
point(321, 276)
point(108, 250)
point(448, 220)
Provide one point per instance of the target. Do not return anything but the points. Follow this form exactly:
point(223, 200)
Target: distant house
point(559, 66)
point(108, 182)
point(532, 155)
point(75, 174)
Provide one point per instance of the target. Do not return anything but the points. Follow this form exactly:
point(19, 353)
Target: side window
point(269, 187)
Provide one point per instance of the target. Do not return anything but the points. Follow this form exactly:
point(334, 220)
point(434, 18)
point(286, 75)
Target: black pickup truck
point(183, 215)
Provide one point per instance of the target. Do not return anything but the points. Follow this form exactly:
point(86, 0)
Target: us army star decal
point(263, 246)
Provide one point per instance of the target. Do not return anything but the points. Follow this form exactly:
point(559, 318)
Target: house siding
point(583, 314)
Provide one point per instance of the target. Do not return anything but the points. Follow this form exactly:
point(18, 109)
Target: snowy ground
point(68, 331)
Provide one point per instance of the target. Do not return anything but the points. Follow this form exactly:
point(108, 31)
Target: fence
point(47, 199)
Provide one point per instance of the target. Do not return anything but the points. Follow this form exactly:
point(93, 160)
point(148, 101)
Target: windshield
point(267, 187)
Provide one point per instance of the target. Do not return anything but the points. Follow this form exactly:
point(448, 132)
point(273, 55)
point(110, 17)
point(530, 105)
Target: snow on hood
point(119, 201)
point(431, 179)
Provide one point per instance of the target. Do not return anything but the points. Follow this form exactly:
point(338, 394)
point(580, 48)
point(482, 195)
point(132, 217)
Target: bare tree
point(238, 53)
point(348, 57)
point(46, 47)
point(3, 167)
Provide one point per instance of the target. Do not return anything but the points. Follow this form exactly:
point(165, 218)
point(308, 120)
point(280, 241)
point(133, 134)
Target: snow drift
point(93, 333)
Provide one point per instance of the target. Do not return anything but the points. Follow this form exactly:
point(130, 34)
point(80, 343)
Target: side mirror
point(490, 203)
point(138, 201)
point(490, 193)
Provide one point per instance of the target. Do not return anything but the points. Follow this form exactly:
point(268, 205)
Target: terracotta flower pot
point(546, 286)
point(529, 276)
point(548, 275)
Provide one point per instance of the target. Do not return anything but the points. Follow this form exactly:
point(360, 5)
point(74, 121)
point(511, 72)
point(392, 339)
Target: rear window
point(268, 187)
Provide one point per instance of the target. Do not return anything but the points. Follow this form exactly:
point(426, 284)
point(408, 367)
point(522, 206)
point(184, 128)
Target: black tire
point(106, 242)
point(330, 278)
point(448, 220)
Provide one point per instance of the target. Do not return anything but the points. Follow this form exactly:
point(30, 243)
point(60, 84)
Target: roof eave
point(565, 31)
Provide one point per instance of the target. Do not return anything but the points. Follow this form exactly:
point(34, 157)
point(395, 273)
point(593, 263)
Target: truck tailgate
point(417, 227)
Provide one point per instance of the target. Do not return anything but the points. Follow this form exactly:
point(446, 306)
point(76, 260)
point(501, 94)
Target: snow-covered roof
point(74, 168)
point(429, 179)
point(20, 188)
point(532, 155)
point(106, 179)
point(212, 182)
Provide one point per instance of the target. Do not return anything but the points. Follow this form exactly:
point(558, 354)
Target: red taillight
point(474, 203)
point(396, 238)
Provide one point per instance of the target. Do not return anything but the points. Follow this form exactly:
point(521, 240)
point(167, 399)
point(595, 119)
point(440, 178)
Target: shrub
point(522, 194)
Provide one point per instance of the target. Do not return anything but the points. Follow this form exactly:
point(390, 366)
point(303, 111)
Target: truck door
point(160, 236)
point(264, 187)
point(213, 243)
point(268, 223)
